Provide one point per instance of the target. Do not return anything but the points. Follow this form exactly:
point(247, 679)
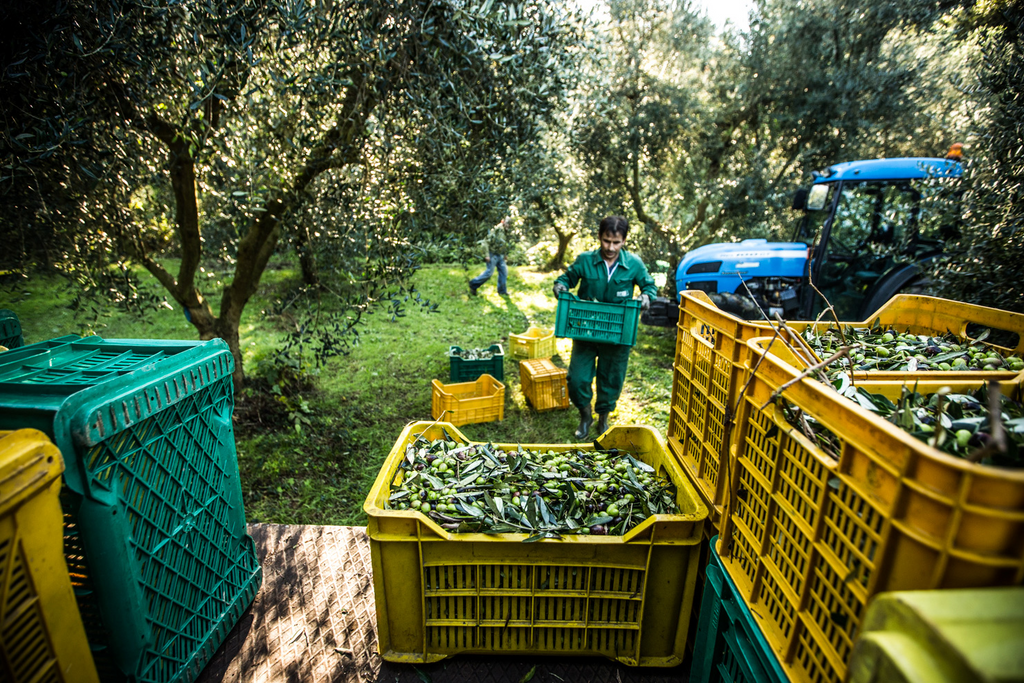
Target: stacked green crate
point(10, 329)
point(730, 646)
point(155, 529)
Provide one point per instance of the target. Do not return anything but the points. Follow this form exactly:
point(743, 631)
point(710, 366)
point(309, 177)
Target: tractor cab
point(868, 231)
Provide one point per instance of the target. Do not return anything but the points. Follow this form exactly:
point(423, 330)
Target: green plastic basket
point(36, 379)
point(461, 370)
point(10, 329)
point(156, 536)
point(729, 646)
point(596, 321)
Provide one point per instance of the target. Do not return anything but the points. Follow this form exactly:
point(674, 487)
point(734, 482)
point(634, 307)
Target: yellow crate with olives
point(495, 561)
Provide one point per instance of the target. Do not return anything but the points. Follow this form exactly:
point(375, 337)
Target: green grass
point(362, 401)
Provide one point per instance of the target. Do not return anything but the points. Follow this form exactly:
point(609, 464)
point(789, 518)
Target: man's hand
point(559, 288)
point(645, 302)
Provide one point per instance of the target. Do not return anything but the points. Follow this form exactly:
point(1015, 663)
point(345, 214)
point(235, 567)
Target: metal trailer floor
point(313, 620)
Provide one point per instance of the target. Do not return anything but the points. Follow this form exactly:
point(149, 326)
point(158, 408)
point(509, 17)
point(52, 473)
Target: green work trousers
point(611, 361)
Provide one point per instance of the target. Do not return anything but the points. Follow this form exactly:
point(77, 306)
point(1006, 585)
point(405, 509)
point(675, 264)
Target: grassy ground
point(362, 401)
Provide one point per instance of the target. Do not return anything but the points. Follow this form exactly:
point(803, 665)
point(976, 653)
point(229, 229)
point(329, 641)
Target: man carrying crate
point(608, 275)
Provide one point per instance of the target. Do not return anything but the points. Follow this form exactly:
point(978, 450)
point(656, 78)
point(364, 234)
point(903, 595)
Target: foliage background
point(310, 180)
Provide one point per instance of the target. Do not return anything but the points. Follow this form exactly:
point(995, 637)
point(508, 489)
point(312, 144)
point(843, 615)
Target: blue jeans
point(494, 260)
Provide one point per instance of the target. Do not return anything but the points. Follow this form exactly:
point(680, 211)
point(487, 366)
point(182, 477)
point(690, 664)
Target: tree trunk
point(670, 280)
point(226, 329)
point(557, 261)
point(307, 259)
point(335, 150)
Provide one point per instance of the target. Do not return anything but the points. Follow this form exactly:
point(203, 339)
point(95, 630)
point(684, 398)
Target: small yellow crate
point(42, 633)
point(482, 400)
point(536, 342)
point(810, 537)
point(628, 598)
point(544, 384)
point(951, 636)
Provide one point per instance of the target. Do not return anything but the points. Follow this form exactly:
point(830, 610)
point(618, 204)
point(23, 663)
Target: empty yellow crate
point(627, 597)
point(536, 342)
point(482, 400)
point(950, 636)
point(544, 384)
point(810, 536)
point(43, 638)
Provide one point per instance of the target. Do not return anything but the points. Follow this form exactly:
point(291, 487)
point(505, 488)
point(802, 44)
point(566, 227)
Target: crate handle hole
point(997, 337)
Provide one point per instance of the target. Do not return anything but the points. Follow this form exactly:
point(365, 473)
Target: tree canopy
point(136, 131)
point(361, 136)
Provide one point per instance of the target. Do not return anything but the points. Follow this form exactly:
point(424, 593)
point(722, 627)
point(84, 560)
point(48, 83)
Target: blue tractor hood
point(721, 267)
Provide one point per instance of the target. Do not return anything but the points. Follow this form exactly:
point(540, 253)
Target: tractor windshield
point(877, 227)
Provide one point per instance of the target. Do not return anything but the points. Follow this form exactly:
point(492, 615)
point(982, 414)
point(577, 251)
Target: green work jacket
point(590, 272)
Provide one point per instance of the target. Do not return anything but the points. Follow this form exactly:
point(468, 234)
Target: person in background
point(495, 247)
point(607, 274)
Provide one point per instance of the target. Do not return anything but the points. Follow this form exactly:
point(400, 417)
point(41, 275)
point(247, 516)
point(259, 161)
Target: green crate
point(10, 329)
point(152, 500)
point(729, 646)
point(596, 321)
point(36, 379)
point(461, 370)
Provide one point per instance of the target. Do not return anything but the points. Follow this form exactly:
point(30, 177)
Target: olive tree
point(216, 129)
point(985, 264)
point(704, 138)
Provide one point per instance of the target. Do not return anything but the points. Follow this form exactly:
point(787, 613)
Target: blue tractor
point(868, 231)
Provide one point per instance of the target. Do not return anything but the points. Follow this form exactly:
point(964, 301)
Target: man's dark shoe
point(586, 419)
point(602, 423)
point(472, 291)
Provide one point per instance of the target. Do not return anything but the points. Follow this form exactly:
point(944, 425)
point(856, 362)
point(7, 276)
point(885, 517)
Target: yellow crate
point(933, 316)
point(482, 400)
point(810, 538)
point(708, 372)
point(42, 633)
point(628, 597)
point(953, 636)
point(711, 358)
point(544, 384)
point(536, 342)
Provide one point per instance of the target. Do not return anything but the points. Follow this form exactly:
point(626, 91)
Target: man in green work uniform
point(607, 274)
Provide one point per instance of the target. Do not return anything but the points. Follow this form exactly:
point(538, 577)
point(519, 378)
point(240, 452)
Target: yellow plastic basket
point(708, 372)
point(810, 539)
point(933, 316)
point(953, 636)
point(43, 638)
point(482, 400)
point(536, 342)
point(710, 368)
point(628, 597)
point(544, 384)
